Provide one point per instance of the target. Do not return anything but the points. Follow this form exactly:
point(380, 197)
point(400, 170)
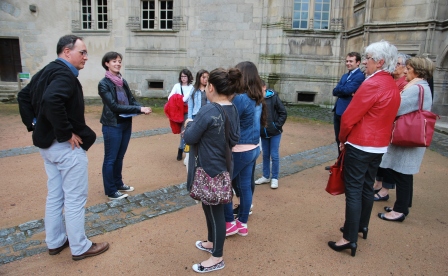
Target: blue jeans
point(116, 141)
point(243, 166)
point(270, 148)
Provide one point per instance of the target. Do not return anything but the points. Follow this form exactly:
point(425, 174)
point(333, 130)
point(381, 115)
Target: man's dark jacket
point(276, 115)
point(54, 96)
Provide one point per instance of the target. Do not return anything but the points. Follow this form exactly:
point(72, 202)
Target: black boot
point(179, 154)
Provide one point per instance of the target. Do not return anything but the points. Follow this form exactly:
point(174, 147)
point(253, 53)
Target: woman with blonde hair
point(402, 163)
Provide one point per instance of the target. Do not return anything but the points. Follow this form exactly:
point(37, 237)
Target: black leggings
point(216, 226)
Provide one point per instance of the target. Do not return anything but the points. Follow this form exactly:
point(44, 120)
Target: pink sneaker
point(231, 228)
point(242, 228)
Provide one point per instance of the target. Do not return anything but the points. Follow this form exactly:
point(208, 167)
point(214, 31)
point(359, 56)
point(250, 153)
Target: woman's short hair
point(188, 74)
point(108, 57)
point(403, 57)
point(423, 66)
point(226, 82)
point(383, 50)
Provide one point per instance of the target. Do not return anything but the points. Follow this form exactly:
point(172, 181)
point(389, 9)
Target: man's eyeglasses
point(84, 53)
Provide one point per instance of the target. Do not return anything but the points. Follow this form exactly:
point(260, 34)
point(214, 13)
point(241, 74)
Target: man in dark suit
point(52, 106)
point(346, 88)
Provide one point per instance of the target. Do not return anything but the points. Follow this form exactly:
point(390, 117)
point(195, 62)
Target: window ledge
point(91, 32)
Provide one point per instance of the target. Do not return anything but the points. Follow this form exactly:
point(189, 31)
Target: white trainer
point(262, 180)
point(274, 183)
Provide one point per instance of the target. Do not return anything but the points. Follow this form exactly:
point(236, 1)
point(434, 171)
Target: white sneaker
point(262, 180)
point(274, 183)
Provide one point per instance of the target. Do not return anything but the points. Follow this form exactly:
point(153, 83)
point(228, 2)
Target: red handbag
point(414, 129)
point(335, 185)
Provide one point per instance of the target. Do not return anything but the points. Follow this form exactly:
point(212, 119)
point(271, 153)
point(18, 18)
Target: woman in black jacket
point(119, 108)
point(270, 137)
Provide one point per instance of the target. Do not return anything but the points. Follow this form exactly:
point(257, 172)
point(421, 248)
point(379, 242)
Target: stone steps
point(8, 91)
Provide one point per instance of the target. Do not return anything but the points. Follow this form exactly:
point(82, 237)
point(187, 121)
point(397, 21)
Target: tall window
point(157, 15)
point(321, 14)
point(319, 9)
point(94, 14)
point(300, 18)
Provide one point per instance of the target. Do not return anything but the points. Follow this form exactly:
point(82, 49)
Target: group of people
point(365, 110)
point(52, 106)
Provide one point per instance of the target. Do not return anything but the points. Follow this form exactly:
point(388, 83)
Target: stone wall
point(208, 34)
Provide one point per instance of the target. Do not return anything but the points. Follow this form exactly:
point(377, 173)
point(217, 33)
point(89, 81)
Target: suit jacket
point(55, 97)
point(344, 90)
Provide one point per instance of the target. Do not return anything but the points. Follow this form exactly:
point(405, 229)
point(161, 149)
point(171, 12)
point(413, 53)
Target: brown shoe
point(59, 249)
point(95, 249)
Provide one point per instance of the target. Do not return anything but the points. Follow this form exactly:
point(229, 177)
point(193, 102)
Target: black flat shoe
point(388, 209)
point(381, 198)
point(400, 218)
point(363, 230)
point(351, 245)
point(376, 191)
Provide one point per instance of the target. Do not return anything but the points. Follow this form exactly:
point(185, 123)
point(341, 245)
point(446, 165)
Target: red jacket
point(174, 110)
point(368, 119)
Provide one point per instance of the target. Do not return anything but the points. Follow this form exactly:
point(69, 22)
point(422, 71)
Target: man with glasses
point(52, 106)
point(345, 89)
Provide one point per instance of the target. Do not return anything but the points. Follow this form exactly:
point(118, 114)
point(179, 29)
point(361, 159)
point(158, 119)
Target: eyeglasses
point(367, 58)
point(84, 53)
point(401, 64)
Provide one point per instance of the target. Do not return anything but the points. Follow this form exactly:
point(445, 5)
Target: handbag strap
point(226, 133)
point(420, 97)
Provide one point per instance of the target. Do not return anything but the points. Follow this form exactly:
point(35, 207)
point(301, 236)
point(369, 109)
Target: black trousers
point(360, 168)
point(337, 129)
point(383, 175)
point(216, 227)
point(405, 190)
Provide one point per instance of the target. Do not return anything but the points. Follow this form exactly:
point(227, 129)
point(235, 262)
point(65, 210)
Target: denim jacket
point(250, 115)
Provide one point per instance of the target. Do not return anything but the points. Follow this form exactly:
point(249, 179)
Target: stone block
point(114, 226)
point(35, 251)
point(92, 217)
point(98, 208)
point(129, 207)
point(94, 232)
point(12, 239)
point(31, 225)
point(112, 212)
point(7, 231)
point(119, 202)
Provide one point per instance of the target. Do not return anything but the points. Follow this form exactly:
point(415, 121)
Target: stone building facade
point(299, 46)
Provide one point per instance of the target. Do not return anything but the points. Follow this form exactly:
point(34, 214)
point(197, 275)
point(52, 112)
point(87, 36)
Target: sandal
point(381, 198)
point(376, 191)
point(388, 209)
point(202, 269)
point(200, 247)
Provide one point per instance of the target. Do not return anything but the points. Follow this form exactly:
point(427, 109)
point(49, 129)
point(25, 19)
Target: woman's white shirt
point(187, 90)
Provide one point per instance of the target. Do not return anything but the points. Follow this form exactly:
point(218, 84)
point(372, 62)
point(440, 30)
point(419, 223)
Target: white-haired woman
point(366, 127)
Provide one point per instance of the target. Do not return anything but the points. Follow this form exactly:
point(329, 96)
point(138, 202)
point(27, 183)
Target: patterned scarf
point(117, 80)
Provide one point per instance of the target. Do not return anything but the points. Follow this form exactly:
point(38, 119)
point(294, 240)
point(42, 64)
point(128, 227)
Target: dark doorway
point(10, 62)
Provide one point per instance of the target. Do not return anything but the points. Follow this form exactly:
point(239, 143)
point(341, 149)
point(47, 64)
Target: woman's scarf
point(411, 83)
point(117, 80)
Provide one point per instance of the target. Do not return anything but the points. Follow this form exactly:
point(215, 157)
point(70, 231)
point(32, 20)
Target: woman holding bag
point(402, 163)
point(206, 136)
point(184, 87)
